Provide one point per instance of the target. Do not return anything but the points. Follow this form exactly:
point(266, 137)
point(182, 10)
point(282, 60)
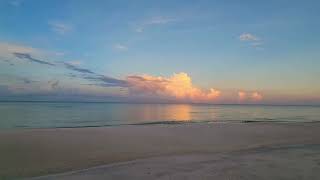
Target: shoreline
point(173, 122)
point(38, 152)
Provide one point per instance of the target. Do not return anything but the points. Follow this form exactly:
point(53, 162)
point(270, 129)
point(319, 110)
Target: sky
point(206, 51)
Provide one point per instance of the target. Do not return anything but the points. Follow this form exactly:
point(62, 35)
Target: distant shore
point(182, 147)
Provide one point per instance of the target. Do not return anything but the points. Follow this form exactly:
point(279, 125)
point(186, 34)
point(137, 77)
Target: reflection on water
point(38, 115)
point(178, 112)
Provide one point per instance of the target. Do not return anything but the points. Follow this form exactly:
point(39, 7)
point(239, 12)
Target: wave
point(166, 123)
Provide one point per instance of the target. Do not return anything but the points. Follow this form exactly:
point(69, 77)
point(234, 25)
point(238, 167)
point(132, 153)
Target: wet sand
point(188, 151)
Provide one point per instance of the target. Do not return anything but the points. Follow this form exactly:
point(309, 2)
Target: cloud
point(27, 81)
point(25, 53)
point(248, 37)
point(31, 59)
point(53, 84)
point(157, 20)
point(11, 51)
point(249, 96)
point(253, 40)
point(255, 96)
point(75, 62)
point(7, 49)
point(160, 20)
point(107, 81)
point(242, 95)
point(179, 86)
point(59, 27)
point(120, 47)
point(78, 69)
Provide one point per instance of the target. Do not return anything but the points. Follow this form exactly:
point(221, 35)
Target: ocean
point(72, 115)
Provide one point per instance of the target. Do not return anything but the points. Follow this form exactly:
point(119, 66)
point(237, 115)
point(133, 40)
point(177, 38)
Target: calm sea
point(52, 115)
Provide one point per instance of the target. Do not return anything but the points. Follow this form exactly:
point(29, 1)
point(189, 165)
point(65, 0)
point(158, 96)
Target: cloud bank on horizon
point(178, 87)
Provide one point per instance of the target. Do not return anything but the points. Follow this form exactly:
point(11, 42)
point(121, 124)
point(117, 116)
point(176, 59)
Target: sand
point(187, 151)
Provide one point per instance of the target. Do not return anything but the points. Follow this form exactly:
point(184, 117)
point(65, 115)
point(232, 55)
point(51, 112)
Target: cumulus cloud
point(178, 86)
point(60, 27)
point(248, 37)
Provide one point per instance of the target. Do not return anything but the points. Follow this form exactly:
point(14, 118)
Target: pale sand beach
point(187, 151)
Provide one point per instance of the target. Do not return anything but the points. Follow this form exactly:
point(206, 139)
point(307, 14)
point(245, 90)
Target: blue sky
point(266, 47)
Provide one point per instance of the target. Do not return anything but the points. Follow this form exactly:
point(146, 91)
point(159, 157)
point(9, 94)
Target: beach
point(164, 151)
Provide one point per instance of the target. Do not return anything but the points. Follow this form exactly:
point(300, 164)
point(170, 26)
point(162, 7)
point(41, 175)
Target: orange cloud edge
point(179, 87)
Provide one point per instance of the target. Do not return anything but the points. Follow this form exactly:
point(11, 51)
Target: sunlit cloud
point(256, 96)
point(249, 96)
point(178, 86)
point(242, 96)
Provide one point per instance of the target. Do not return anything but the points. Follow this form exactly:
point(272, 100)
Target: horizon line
point(130, 102)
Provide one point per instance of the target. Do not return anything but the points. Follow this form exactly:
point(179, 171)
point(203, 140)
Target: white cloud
point(248, 37)
point(120, 47)
point(59, 27)
point(157, 20)
point(253, 40)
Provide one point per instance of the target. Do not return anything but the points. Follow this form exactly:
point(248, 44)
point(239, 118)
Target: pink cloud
point(255, 96)
point(249, 96)
point(179, 86)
